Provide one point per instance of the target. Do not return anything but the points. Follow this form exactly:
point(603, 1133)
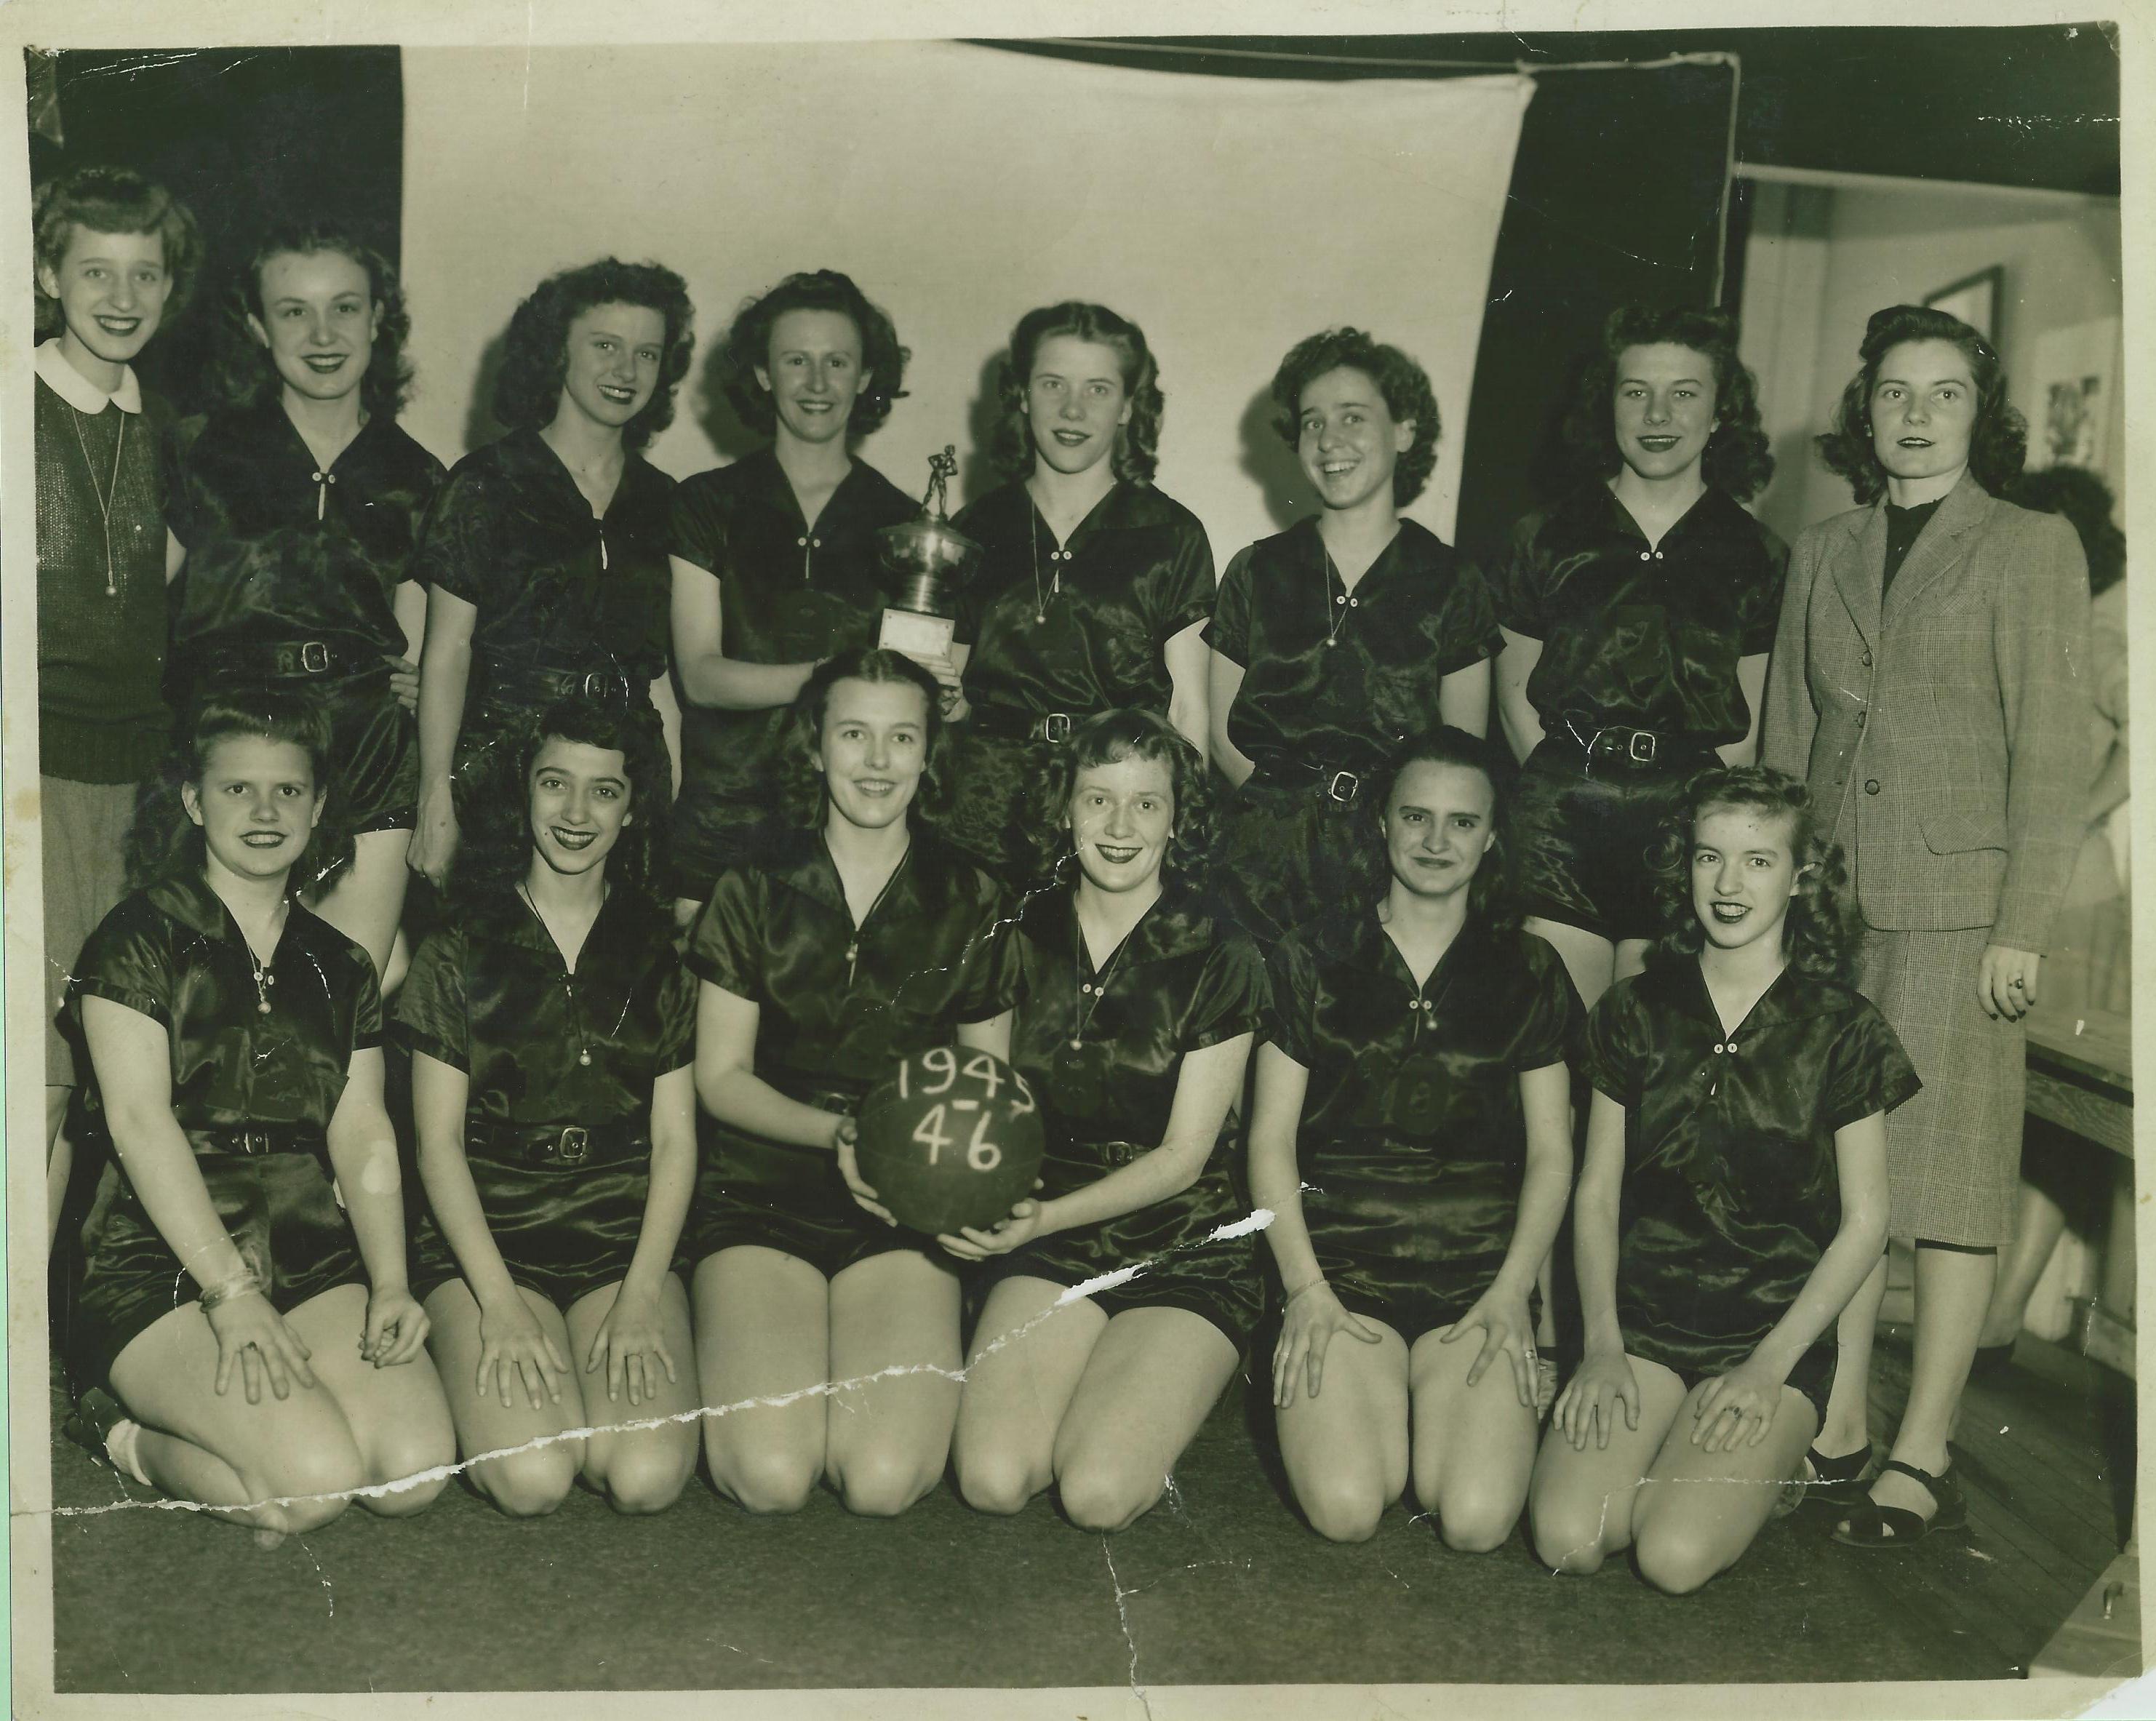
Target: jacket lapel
point(1860, 569)
point(1939, 547)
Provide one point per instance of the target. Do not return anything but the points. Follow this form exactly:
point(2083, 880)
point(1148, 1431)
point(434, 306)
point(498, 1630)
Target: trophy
point(932, 561)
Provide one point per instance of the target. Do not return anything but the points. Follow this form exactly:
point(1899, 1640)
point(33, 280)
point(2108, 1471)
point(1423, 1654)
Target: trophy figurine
point(933, 560)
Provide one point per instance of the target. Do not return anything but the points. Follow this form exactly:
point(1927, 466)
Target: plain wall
point(961, 185)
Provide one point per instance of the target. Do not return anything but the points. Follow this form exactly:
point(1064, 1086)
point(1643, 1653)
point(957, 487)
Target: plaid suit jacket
point(1944, 737)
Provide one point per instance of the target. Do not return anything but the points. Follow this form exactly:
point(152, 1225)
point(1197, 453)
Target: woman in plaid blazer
point(1930, 681)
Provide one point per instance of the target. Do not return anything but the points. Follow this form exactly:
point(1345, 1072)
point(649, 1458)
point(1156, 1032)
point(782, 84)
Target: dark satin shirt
point(1426, 1069)
point(556, 588)
point(1417, 615)
point(1648, 639)
point(1104, 1063)
point(1135, 573)
point(1731, 1191)
point(788, 594)
point(840, 1004)
point(174, 954)
point(279, 550)
point(492, 996)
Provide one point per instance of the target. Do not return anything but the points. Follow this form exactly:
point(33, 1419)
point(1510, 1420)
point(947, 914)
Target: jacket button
point(1867, 660)
point(1871, 785)
point(1861, 717)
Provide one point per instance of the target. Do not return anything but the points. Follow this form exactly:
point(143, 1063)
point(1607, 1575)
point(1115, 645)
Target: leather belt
point(1620, 744)
point(564, 1144)
point(289, 660)
point(1007, 723)
point(508, 675)
point(258, 1140)
point(1335, 785)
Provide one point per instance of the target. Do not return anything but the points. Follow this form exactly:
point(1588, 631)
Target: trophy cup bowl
point(932, 559)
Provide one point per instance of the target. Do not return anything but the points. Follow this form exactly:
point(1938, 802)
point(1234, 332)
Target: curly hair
point(801, 795)
point(1998, 441)
point(1404, 384)
point(1493, 898)
point(164, 840)
point(2086, 502)
point(496, 850)
point(1137, 444)
point(1109, 738)
point(535, 356)
point(241, 372)
point(110, 200)
point(748, 345)
point(1820, 933)
point(1737, 460)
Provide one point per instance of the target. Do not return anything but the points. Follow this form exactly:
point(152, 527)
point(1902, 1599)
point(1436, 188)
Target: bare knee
point(770, 1480)
point(1568, 1542)
point(1098, 1496)
point(882, 1484)
point(407, 1498)
point(1477, 1520)
point(1674, 1558)
point(1342, 1507)
point(424, 1459)
point(312, 1485)
point(1000, 1482)
point(644, 1481)
point(529, 1485)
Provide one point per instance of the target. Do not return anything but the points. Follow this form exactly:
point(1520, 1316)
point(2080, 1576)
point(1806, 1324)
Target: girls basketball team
point(1228, 872)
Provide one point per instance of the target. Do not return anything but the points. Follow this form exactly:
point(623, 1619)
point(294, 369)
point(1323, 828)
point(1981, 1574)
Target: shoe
point(1837, 1482)
point(1872, 1525)
point(92, 1420)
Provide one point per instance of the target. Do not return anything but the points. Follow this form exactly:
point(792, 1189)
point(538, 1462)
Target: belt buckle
point(575, 1144)
point(1055, 726)
point(253, 1141)
point(315, 657)
point(1632, 747)
point(1334, 791)
point(598, 684)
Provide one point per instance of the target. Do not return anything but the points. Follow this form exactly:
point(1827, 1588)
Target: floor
point(706, 1597)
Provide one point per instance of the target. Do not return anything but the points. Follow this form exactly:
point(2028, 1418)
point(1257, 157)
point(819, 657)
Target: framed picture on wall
point(1975, 299)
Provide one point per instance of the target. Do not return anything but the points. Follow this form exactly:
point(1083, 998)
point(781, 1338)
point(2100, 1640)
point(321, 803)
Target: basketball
point(950, 1138)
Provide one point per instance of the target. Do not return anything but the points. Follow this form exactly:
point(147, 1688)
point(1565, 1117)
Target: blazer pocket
point(1958, 833)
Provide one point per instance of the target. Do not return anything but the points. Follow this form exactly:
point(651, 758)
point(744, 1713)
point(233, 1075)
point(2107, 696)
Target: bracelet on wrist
point(242, 1283)
point(1314, 1284)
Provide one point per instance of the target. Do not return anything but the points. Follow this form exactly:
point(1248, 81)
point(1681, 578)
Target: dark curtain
point(1615, 198)
point(243, 137)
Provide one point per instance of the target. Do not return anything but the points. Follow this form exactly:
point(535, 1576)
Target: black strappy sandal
point(91, 1420)
point(1837, 1482)
point(1872, 1525)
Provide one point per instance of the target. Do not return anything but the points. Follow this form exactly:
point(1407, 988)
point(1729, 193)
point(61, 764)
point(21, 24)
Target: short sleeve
point(432, 1011)
point(1228, 632)
point(1466, 627)
point(1516, 582)
point(1614, 1046)
point(1867, 1070)
point(1292, 978)
point(725, 945)
point(677, 1018)
point(1554, 1019)
point(129, 960)
point(699, 530)
point(1759, 599)
point(989, 982)
point(454, 547)
point(1231, 996)
point(1186, 593)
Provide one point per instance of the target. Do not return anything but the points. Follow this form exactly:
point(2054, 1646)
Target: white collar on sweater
point(76, 389)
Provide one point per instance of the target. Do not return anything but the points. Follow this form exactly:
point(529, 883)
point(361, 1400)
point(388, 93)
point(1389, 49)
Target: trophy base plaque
point(925, 639)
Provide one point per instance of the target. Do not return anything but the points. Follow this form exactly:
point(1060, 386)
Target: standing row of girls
point(833, 932)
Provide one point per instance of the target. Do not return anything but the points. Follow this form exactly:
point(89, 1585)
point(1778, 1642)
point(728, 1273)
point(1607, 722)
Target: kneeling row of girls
point(586, 1298)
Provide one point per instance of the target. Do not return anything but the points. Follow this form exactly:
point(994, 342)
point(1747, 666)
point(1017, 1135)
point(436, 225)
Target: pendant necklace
point(264, 979)
point(1336, 609)
point(1056, 557)
point(854, 939)
point(568, 992)
point(1087, 996)
point(105, 501)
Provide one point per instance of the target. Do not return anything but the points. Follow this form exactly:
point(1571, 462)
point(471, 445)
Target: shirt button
point(1861, 717)
point(1658, 555)
point(1646, 556)
point(1871, 785)
point(1087, 988)
point(1354, 603)
point(1339, 600)
point(801, 542)
point(815, 543)
point(317, 477)
point(1867, 660)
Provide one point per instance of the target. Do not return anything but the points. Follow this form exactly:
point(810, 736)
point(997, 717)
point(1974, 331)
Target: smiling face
point(1349, 441)
point(1075, 401)
point(579, 803)
point(873, 749)
point(1439, 826)
point(1122, 814)
point(111, 289)
point(613, 355)
point(1923, 411)
point(814, 373)
point(1743, 875)
point(318, 322)
point(257, 805)
point(1663, 401)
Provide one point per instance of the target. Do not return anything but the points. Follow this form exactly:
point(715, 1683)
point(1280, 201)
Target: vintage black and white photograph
point(891, 870)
